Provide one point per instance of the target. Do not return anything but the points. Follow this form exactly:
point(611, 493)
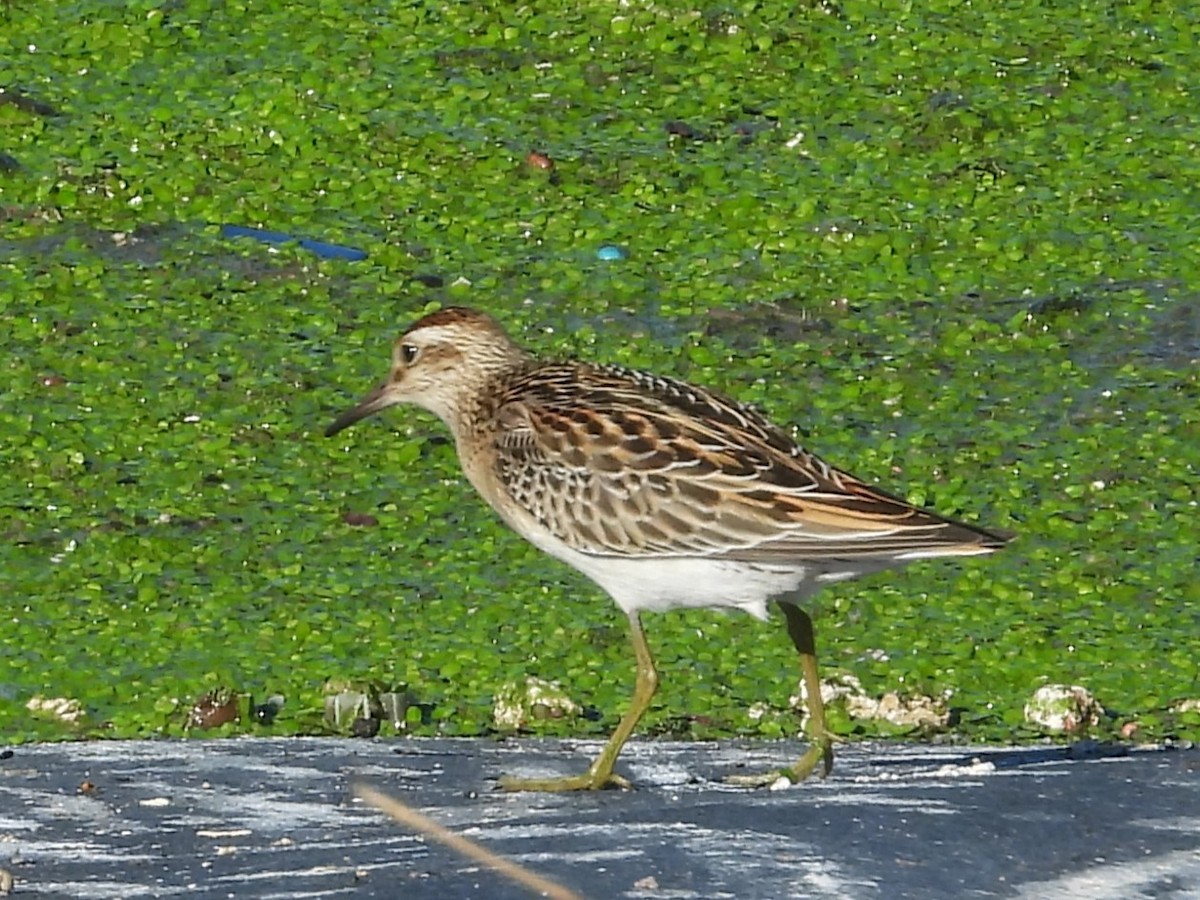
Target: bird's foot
point(588, 781)
point(821, 751)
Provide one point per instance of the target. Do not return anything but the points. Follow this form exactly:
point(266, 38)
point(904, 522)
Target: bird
point(665, 494)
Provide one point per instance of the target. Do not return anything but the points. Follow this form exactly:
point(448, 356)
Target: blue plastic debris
point(320, 248)
point(610, 253)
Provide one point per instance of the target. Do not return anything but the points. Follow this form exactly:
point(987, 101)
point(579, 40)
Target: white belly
point(662, 583)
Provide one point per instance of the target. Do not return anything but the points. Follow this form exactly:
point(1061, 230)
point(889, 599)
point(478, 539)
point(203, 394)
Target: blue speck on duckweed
point(611, 253)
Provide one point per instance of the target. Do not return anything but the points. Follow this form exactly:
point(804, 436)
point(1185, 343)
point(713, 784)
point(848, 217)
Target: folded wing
point(640, 465)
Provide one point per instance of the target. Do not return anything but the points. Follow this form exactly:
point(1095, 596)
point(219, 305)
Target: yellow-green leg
point(800, 630)
point(600, 774)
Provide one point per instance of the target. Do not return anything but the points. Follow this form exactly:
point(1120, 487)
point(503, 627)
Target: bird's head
point(440, 364)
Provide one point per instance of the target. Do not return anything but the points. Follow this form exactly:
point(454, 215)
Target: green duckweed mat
point(957, 245)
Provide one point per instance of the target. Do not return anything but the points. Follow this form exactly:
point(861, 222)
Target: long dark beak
point(372, 403)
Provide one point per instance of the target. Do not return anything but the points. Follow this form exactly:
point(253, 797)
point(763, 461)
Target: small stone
point(365, 727)
point(914, 711)
point(1066, 709)
point(911, 711)
point(62, 708)
point(265, 712)
point(782, 783)
point(516, 704)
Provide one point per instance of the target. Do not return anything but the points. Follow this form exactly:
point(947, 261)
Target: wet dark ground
point(268, 818)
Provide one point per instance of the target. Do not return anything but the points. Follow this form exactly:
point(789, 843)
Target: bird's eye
point(409, 353)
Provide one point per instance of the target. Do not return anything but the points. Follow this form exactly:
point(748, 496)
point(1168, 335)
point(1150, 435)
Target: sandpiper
point(664, 493)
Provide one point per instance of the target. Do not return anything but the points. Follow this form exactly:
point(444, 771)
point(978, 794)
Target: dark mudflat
point(268, 818)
